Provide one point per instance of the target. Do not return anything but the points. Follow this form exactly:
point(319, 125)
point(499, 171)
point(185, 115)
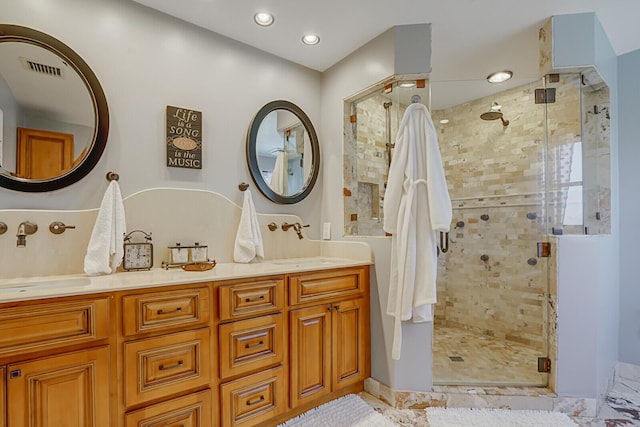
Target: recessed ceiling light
point(263, 19)
point(499, 76)
point(407, 84)
point(444, 121)
point(310, 39)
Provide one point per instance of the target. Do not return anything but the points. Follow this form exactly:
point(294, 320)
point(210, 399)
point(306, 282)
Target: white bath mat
point(347, 411)
point(461, 417)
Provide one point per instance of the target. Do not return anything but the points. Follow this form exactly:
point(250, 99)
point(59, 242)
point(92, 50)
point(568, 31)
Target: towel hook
point(112, 176)
point(416, 99)
point(243, 186)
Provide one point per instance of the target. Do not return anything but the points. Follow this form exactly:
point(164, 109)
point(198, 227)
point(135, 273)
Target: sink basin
point(312, 262)
point(45, 284)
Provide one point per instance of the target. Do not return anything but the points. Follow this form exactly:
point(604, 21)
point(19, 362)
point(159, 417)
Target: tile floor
point(621, 407)
point(485, 360)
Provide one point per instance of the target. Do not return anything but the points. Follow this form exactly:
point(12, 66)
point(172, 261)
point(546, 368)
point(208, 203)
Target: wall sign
point(184, 138)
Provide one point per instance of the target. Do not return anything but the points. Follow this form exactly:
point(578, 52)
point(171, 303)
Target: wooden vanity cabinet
point(56, 363)
point(329, 333)
point(234, 353)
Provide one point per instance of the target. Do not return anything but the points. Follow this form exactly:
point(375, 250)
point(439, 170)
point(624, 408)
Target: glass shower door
point(491, 325)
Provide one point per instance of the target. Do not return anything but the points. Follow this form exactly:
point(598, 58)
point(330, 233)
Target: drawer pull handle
point(166, 368)
point(255, 402)
point(177, 310)
point(259, 344)
point(260, 298)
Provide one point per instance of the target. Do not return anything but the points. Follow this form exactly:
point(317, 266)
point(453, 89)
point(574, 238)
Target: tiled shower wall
point(368, 174)
point(491, 280)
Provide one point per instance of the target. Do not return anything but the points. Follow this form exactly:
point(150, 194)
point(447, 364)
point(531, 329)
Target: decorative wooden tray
point(199, 266)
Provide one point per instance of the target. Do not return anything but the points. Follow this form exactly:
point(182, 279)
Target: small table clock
point(137, 255)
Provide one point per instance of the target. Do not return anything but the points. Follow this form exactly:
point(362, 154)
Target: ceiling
point(470, 38)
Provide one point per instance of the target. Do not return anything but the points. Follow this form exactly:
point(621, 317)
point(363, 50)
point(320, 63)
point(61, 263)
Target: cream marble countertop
point(31, 288)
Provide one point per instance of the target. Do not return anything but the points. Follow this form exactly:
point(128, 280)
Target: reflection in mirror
point(281, 146)
point(283, 152)
point(48, 114)
point(54, 120)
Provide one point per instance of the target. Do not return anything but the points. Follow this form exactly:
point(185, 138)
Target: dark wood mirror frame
point(252, 154)
point(15, 33)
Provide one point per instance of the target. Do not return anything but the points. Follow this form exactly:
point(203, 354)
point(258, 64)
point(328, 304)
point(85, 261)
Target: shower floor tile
point(485, 360)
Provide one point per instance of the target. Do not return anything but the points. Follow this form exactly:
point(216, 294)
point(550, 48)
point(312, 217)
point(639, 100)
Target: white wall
point(372, 63)
point(629, 107)
point(145, 61)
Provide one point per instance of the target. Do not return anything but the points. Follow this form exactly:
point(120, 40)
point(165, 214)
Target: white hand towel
point(105, 249)
point(248, 238)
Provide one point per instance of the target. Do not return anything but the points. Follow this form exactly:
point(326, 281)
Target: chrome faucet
point(297, 227)
point(24, 229)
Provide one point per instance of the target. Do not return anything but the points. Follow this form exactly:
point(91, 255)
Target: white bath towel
point(248, 238)
point(105, 249)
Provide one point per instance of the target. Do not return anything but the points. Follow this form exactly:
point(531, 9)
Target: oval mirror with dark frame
point(54, 118)
point(283, 152)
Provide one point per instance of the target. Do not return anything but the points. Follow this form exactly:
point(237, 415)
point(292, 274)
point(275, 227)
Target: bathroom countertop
point(31, 288)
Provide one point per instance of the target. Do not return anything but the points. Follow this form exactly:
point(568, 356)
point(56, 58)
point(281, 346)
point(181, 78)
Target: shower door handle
point(444, 242)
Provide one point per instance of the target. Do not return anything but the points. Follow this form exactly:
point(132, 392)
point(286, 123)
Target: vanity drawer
point(156, 311)
point(318, 286)
point(248, 345)
point(242, 299)
point(159, 367)
point(253, 399)
point(193, 410)
point(43, 326)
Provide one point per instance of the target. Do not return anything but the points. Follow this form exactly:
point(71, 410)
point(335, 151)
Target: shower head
point(491, 115)
point(494, 114)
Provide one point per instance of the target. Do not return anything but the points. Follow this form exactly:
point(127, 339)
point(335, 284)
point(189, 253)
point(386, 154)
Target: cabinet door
point(310, 354)
point(70, 390)
point(43, 154)
point(350, 332)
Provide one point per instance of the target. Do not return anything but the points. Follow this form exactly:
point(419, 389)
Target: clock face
point(138, 256)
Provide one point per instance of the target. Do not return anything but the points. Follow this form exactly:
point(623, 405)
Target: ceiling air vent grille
point(40, 68)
